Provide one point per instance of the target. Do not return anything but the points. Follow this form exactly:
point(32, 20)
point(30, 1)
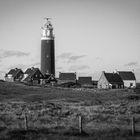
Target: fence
point(79, 123)
point(55, 116)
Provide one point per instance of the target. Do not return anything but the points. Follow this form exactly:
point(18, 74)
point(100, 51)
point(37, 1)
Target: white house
point(110, 80)
point(128, 78)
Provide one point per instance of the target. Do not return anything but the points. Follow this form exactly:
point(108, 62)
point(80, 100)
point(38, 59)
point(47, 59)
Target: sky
point(91, 36)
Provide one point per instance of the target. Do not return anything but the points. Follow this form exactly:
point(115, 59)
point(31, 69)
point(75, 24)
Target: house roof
point(67, 76)
point(15, 71)
point(127, 75)
point(46, 76)
point(113, 78)
point(85, 80)
point(50, 77)
point(31, 72)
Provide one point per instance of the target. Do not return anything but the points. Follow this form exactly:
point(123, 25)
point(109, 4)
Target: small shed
point(110, 80)
point(128, 78)
point(14, 75)
point(66, 78)
point(85, 81)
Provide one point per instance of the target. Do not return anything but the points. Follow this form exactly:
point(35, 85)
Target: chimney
point(103, 71)
point(115, 71)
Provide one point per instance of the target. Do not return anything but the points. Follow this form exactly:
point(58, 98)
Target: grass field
point(51, 113)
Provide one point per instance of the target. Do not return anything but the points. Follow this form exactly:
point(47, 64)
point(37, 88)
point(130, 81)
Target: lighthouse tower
point(47, 49)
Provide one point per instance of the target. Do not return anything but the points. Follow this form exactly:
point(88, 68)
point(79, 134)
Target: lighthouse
point(47, 49)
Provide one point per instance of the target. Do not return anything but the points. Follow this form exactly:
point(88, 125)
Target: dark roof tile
point(113, 78)
point(31, 72)
point(85, 80)
point(67, 76)
point(127, 75)
point(15, 71)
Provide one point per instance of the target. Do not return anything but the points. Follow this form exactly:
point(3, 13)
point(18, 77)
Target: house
point(85, 81)
point(128, 78)
point(110, 80)
point(14, 75)
point(48, 78)
point(32, 75)
point(66, 78)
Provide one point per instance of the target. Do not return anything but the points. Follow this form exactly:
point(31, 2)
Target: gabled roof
point(127, 75)
point(50, 77)
point(113, 78)
point(85, 80)
point(15, 71)
point(47, 76)
point(67, 76)
point(31, 72)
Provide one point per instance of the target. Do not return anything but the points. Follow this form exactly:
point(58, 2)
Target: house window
point(131, 84)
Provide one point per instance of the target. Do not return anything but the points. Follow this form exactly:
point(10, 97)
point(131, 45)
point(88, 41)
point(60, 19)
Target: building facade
point(47, 49)
point(110, 80)
point(14, 75)
point(85, 82)
point(128, 78)
point(33, 76)
point(66, 78)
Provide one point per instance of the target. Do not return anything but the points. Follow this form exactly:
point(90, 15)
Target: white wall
point(103, 83)
point(128, 82)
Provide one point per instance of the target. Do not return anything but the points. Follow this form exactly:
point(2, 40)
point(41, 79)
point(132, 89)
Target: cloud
point(64, 56)
point(78, 68)
point(37, 64)
point(131, 64)
point(75, 58)
point(71, 62)
point(69, 57)
point(22, 66)
point(10, 53)
point(59, 68)
point(98, 58)
point(1, 71)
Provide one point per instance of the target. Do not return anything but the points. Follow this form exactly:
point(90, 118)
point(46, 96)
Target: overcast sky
point(90, 35)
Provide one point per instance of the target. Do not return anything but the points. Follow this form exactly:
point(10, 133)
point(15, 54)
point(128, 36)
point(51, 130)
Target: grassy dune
point(52, 113)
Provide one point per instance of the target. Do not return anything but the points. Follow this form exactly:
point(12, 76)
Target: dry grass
point(52, 113)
